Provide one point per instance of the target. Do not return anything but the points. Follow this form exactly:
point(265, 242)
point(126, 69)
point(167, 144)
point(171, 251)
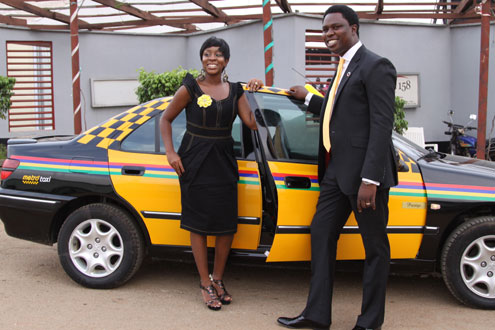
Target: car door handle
point(297, 182)
point(133, 170)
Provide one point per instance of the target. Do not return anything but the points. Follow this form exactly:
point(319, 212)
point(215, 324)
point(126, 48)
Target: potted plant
point(154, 85)
point(6, 87)
point(400, 124)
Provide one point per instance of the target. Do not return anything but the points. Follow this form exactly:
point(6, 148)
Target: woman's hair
point(347, 12)
point(216, 42)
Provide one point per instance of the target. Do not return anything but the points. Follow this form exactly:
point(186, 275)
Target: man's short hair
point(347, 12)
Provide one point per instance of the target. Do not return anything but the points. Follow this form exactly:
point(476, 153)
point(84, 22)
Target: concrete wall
point(424, 50)
point(465, 71)
point(118, 56)
point(446, 58)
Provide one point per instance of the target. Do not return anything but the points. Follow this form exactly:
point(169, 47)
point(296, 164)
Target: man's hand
point(366, 196)
point(298, 92)
point(254, 84)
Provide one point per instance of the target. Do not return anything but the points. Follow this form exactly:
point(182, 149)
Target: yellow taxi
point(108, 197)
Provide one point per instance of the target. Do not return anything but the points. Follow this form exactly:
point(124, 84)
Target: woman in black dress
point(205, 161)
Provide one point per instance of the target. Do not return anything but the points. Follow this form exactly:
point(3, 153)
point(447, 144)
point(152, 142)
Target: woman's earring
point(225, 77)
point(202, 75)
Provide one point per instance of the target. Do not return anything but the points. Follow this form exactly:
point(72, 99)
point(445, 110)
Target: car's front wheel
point(468, 262)
point(100, 246)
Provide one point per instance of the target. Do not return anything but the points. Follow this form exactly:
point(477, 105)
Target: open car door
point(290, 136)
point(142, 176)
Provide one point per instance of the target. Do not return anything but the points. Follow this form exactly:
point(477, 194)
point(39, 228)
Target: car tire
point(100, 246)
point(468, 262)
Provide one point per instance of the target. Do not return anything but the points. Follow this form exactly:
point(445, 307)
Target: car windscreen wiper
point(433, 154)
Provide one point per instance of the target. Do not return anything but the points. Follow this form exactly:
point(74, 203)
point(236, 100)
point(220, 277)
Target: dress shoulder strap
point(191, 85)
point(238, 89)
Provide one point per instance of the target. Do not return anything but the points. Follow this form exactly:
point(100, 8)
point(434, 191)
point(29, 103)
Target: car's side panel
point(152, 187)
point(459, 188)
point(407, 207)
point(48, 177)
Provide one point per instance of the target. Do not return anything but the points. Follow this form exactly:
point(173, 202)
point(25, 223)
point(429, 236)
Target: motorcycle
point(463, 144)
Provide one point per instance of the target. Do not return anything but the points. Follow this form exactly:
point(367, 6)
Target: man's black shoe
point(300, 322)
point(357, 327)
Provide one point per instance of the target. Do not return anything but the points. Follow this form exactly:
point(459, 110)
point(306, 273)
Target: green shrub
point(3, 152)
point(154, 85)
point(6, 87)
point(400, 124)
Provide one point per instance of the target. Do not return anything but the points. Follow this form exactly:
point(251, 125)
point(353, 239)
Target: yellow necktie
point(329, 107)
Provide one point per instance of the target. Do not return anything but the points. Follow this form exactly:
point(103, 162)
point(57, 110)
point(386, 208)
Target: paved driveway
point(35, 293)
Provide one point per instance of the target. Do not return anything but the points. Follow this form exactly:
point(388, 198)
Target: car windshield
point(406, 144)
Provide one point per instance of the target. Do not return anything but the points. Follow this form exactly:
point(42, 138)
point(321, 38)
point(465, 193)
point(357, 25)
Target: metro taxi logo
point(35, 179)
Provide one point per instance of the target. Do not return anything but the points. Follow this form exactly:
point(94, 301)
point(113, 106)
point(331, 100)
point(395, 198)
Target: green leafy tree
point(154, 85)
point(6, 87)
point(400, 124)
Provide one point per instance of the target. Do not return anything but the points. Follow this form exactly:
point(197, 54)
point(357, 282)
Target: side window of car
point(236, 135)
point(179, 129)
point(141, 139)
point(147, 137)
point(292, 131)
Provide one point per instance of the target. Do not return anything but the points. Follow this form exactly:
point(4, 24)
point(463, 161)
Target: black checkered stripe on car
point(109, 134)
point(270, 90)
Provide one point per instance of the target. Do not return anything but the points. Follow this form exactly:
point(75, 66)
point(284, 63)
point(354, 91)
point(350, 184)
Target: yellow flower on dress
point(204, 101)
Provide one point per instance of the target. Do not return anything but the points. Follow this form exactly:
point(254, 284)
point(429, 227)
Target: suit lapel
point(353, 66)
point(347, 74)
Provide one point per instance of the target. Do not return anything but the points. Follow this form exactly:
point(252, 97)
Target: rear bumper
point(29, 215)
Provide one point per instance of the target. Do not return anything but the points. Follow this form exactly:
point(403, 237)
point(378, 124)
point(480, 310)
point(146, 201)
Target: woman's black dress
point(209, 183)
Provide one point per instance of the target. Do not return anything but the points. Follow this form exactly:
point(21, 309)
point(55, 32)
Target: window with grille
point(31, 64)
point(320, 63)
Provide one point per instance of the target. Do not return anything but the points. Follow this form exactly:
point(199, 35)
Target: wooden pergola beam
point(12, 21)
point(462, 6)
point(416, 15)
point(121, 6)
point(210, 9)
point(22, 5)
point(144, 15)
point(195, 19)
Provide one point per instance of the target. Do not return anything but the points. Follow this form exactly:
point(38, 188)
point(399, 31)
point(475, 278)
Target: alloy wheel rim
point(477, 266)
point(96, 248)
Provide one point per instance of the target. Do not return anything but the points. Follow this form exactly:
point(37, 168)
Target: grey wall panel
point(117, 56)
point(465, 69)
point(418, 49)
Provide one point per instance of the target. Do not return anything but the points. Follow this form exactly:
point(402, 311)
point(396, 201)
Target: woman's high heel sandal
point(224, 296)
point(214, 303)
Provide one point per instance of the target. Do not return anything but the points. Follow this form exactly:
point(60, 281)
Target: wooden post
point(76, 78)
point(268, 42)
point(483, 87)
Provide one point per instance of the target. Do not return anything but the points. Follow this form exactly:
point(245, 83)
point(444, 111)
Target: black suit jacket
point(361, 124)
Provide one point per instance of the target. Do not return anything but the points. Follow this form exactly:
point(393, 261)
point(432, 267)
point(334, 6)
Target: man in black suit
point(356, 168)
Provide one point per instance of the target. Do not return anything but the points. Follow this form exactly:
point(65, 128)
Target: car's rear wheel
point(100, 246)
point(468, 262)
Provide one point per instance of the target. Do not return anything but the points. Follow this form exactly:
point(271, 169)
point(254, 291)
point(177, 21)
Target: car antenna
point(299, 73)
